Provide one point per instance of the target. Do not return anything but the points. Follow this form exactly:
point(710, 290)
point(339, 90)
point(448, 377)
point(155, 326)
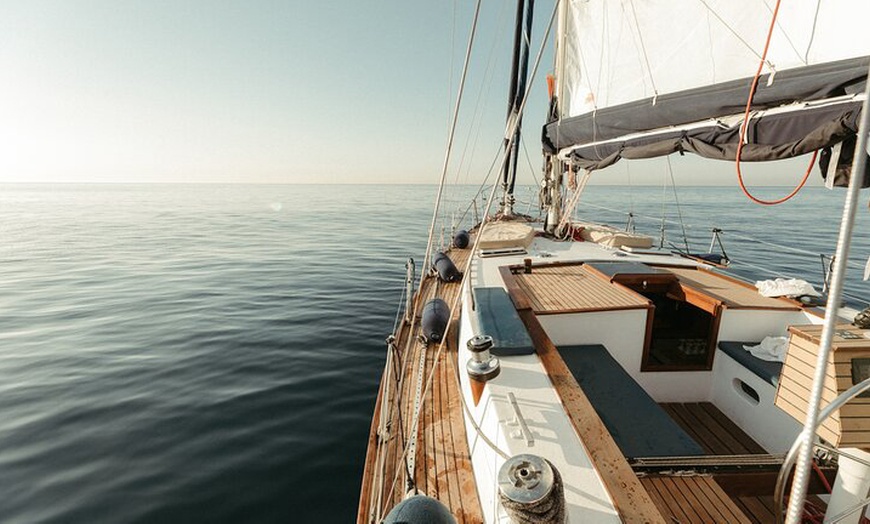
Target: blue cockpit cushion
point(638, 425)
point(767, 370)
point(497, 317)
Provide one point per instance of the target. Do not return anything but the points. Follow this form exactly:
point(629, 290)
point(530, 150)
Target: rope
point(745, 126)
point(550, 509)
point(568, 210)
point(476, 427)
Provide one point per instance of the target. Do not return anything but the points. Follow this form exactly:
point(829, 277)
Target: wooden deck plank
point(735, 294)
point(755, 508)
point(708, 506)
point(724, 504)
point(672, 508)
point(652, 490)
point(448, 481)
point(733, 429)
point(757, 511)
point(700, 433)
point(430, 451)
point(573, 288)
point(693, 499)
point(712, 496)
point(731, 443)
point(683, 497)
point(443, 465)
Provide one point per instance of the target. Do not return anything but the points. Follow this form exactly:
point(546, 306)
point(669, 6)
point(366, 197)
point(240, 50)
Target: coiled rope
point(550, 509)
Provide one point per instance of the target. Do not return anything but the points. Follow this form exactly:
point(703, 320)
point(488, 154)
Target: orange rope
point(822, 476)
point(745, 125)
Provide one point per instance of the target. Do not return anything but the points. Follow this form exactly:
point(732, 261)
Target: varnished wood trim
point(747, 285)
point(695, 298)
point(589, 310)
point(631, 500)
point(714, 336)
point(647, 341)
point(518, 296)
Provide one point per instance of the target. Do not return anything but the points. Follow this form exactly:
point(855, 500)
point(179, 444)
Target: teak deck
point(733, 293)
point(443, 464)
point(718, 435)
point(574, 289)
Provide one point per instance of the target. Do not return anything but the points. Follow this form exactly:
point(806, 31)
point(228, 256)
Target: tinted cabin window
point(680, 334)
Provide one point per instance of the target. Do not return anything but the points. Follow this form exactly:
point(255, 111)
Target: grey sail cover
point(638, 79)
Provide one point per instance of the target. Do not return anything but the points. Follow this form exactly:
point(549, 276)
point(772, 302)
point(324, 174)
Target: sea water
point(211, 353)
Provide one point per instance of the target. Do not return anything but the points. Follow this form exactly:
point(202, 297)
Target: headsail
point(645, 78)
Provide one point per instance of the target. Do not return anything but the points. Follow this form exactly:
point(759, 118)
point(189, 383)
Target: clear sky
point(288, 91)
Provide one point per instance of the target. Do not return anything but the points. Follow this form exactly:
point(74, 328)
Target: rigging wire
point(486, 87)
point(745, 126)
point(734, 233)
point(787, 38)
point(482, 186)
point(529, 160)
point(662, 226)
point(812, 32)
point(467, 267)
point(645, 56)
point(451, 135)
point(677, 200)
point(732, 30)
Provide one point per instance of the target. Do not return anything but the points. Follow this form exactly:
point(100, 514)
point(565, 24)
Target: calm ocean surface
point(212, 353)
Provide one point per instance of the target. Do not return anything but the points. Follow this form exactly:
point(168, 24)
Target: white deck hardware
point(520, 421)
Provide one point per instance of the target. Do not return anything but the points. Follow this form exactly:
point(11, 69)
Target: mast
point(518, 80)
point(551, 192)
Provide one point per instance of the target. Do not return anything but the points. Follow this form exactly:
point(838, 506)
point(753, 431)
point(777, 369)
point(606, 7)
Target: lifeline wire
point(466, 269)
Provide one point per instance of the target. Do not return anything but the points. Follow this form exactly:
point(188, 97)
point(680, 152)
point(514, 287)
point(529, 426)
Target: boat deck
point(573, 289)
point(718, 435)
point(443, 466)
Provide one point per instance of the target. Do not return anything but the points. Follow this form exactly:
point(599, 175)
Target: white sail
point(621, 51)
point(632, 66)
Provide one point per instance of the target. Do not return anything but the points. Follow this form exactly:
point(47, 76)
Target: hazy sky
point(263, 91)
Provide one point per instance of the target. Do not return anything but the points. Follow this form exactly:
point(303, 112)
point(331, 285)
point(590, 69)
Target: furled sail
point(645, 78)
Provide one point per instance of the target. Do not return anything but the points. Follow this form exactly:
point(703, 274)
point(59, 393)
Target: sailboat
point(575, 372)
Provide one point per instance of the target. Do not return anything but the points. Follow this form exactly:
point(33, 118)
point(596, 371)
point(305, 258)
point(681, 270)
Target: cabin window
point(681, 336)
point(748, 392)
